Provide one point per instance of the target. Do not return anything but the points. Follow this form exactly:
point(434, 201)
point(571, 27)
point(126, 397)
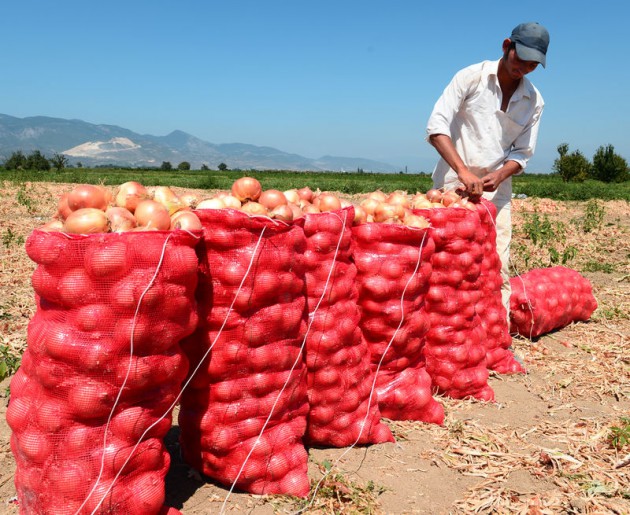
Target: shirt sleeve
point(525, 145)
point(450, 101)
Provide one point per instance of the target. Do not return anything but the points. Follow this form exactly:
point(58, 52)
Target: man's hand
point(491, 181)
point(444, 145)
point(473, 184)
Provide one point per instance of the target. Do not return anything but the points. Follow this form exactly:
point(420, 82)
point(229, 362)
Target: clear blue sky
point(345, 77)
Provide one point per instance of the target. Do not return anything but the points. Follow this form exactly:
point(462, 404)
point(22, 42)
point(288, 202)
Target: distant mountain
point(94, 145)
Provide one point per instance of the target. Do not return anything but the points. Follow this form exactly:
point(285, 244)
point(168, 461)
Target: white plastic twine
point(378, 367)
point(296, 362)
point(518, 275)
point(131, 347)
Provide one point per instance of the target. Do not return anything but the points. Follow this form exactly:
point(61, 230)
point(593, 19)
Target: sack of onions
point(545, 299)
point(492, 312)
point(342, 409)
point(93, 399)
point(248, 392)
point(454, 350)
point(393, 268)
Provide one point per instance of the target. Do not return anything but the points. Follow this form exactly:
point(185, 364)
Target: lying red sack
point(545, 299)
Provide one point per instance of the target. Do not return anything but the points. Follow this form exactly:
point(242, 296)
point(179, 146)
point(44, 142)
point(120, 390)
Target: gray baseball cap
point(532, 40)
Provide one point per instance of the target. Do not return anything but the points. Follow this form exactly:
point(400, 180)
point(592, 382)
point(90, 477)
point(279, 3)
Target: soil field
point(544, 446)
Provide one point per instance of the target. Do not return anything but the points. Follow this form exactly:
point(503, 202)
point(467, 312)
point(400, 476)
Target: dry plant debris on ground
point(545, 447)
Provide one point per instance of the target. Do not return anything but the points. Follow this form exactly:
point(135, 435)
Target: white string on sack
point(378, 367)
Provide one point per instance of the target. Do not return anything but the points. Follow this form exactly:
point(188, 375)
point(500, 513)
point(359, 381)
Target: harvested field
point(543, 447)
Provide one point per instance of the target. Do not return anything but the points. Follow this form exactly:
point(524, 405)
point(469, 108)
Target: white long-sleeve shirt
point(469, 111)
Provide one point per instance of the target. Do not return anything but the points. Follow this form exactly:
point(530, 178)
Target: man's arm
point(444, 145)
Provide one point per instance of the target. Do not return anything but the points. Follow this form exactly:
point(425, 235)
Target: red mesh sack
point(545, 299)
point(393, 266)
point(490, 306)
point(243, 413)
point(343, 410)
point(454, 349)
point(91, 402)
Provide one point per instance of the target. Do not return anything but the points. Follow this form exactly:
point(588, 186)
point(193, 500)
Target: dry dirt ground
point(542, 448)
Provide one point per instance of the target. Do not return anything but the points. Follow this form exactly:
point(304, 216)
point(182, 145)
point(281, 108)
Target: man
point(485, 125)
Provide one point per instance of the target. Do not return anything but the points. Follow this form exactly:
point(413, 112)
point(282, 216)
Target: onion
point(450, 197)
point(420, 201)
point(292, 196)
point(168, 198)
point(87, 195)
point(107, 260)
point(282, 212)
point(107, 193)
point(186, 220)
point(296, 210)
point(328, 202)
point(211, 203)
point(254, 208)
point(52, 226)
point(369, 205)
point(310, 208)
point(231, 201)
point(152, 215)
point(88, 220)
point(120, 219)
point(378, 195)
point(130, 194)
point(360, 215)
point(246, 188)
point(272, 199)
point(388, 212)
point(305, 193)
point(398, 198)
point(417, 221)
point(63, 210)
point(434, 195)
point(189, 199)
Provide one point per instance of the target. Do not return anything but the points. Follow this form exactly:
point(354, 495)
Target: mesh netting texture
point(393, 267)
point(92, 400)
point(492, 312)
point(243, 415)
point(454, 351)
point(343, 406)
point(545, 299)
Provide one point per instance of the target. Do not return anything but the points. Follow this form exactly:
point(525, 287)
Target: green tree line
point(606, 166)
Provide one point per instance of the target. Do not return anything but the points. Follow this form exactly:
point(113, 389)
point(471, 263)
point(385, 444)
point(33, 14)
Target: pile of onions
point(90, 209)
point(434, 198)
point(248, 196)
point(395, 208)
point(82, 209)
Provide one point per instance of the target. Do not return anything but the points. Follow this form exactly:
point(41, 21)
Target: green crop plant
point(593, 216)
point(9, 238)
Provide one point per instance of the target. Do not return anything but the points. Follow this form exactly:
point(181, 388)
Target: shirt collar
point(523, 89)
